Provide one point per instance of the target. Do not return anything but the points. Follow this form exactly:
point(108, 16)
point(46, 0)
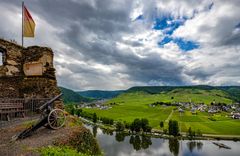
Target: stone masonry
point(27, 72)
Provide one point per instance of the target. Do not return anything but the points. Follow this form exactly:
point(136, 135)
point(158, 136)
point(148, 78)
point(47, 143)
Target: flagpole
point(22, 21)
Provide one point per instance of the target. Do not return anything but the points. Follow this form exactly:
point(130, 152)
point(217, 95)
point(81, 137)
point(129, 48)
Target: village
point(100, 104)
point(233, 110)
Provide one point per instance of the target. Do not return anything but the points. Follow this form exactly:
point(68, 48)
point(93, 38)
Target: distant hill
point(159, 89)
point(231, 92)
point(100, 94)
point(199, 92)
point(70, 96)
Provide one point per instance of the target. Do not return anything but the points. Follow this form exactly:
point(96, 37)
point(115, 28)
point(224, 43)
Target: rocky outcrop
point(27, 72)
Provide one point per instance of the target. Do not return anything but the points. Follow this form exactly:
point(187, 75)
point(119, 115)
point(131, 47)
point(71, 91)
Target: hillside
point(230, 92)
point(129, 106)
point(233, 91)
point(70, 96)
point(100, 94)
point(183, 95)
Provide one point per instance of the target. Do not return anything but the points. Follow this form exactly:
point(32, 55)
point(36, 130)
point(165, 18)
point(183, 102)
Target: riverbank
point(159, 134)
point(44, 139)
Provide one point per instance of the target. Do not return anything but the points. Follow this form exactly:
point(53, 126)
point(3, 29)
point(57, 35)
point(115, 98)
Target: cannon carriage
point(50, 117)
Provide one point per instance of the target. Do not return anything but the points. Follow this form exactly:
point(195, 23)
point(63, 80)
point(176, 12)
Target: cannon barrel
point(45, 105)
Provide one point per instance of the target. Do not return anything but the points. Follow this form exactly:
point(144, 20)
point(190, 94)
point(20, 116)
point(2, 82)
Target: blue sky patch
point(165, 41)
point(184, 45)
point(167, 24)
point(140, 17)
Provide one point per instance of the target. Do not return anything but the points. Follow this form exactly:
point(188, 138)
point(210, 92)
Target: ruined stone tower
point(27, 72)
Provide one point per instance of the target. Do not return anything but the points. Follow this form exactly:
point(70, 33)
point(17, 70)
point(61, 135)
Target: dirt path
point(42, 137)
point(169, 117)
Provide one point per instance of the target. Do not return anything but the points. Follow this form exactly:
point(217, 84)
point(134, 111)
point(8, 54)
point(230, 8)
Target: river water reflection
point(117, 144)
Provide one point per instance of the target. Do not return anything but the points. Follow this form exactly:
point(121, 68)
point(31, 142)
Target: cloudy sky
point(117, 44)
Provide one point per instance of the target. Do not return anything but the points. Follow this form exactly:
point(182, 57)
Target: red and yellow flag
point(29, 24)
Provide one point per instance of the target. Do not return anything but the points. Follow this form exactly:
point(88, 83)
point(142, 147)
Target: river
point(116, 144)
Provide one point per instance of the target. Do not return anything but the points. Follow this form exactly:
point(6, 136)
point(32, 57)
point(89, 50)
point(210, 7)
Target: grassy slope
point(195, 95)
point(70, 96)
point(135, 105)
point(232, 91)
point(132, 105)
point(100, 94)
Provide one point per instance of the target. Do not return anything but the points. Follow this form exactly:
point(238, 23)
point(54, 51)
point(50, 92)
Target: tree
point(191, 133)
point(94, 117)
point(111, 121)
point(173, 127)
point(164, 131)
point(148, 129)
point(170, 127)
point(72, 111)
point(137, 125)
point(132, 127)
point(119, 126)
point(144, 124)
point(127, 125)
point(78, 112)
point(199, 133)
point(161, 124)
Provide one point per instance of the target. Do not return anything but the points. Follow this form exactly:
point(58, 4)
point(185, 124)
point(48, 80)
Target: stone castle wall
point(27, 72)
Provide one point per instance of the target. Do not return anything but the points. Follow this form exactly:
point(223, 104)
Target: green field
point(201, 121)
point(136, 105)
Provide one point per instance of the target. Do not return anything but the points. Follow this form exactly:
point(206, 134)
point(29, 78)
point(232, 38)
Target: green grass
point(195, 95)
point(59, 151)
point(131, 106)
point(136, 105)
point(201, 121)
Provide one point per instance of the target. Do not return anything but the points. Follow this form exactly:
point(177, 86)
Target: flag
point(29, 24)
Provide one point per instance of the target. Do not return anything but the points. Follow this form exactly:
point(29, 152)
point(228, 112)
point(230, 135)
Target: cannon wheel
point(56, 118)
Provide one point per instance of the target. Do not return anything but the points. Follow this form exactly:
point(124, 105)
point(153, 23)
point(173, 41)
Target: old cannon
point(50, 117)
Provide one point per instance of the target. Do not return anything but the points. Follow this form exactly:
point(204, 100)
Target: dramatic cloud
point(112, 44)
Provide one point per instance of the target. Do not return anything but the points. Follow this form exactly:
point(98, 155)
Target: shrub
point(198, 133)
point(59, 151)
point(127, 125)
point(161, 124)
point(80, 139)
point(164, 131)
point(94, 117)
point(119, 126)
point(212, 119)
point(137, 125)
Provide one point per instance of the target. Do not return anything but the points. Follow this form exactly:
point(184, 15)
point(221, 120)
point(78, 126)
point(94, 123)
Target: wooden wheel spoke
point(56, 118)
point(54, 121)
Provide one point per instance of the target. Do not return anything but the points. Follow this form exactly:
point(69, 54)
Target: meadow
point(129, 106)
